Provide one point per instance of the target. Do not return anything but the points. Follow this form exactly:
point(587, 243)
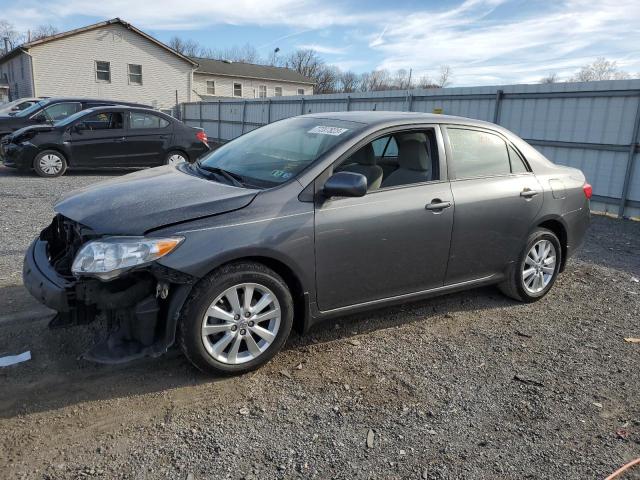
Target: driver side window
point(402, 158)
point(58, 111)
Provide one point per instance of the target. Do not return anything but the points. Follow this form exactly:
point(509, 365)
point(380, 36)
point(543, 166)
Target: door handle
point(437, 205)
point(121, 139)
point(164, 137)
point(528, 193)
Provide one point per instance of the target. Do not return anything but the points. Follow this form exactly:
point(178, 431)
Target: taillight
point(202, 136)
point(588, 190)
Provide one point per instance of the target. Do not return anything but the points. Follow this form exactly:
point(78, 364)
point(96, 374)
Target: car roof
point(92, 100)
point(125, 107)
point(374, 118)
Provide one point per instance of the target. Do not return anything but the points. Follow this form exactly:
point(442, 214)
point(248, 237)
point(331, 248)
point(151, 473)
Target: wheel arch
point(178, 149)
point(55, 148)
point(559, 228)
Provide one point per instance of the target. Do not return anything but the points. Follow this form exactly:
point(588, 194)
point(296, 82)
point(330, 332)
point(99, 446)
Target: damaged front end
point(140, 303)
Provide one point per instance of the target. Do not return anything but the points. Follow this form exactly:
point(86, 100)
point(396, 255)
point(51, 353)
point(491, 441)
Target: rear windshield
point(273, 154)
point(32, 109)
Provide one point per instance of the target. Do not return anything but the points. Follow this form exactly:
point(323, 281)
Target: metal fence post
point(348, 103)
point(410, 103)
point(496, 111)
point(244, 110)
point(302, 106)
point(219, 120)
point(633, 146)
point(201, 122)
point(269, 111)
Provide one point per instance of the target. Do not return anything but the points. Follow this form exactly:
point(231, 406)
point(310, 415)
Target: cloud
point(328, 50)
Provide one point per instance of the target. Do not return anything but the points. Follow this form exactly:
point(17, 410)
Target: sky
point(485, 42)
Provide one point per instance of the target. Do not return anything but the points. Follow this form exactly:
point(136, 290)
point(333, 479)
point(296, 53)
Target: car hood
point(31, 129)
point(136, 203)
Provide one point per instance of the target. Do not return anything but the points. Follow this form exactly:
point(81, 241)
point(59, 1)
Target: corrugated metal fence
point(593, 126)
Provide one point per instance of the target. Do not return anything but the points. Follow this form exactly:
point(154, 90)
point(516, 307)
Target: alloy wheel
point(175, 159)
point(539, 266)
point(241, 323)
point(50, 164)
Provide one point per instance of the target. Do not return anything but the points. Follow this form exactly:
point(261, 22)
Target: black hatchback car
point(50, 110)
point(103, 137)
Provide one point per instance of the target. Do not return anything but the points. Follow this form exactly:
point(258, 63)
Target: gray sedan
point(302, 220)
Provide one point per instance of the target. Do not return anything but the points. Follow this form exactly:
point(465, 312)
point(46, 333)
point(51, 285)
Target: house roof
point(249, 70)
point(114, 21)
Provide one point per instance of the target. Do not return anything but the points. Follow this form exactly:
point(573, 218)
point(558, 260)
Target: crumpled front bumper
point(141, 322)
point(42, 281)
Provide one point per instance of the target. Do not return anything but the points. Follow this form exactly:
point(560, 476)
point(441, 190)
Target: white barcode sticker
point(335, 131)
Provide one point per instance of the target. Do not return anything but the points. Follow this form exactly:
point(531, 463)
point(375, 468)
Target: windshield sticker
point(335, 131)
point(281, 174)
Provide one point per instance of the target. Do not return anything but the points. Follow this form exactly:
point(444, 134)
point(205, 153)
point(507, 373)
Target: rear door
point(98, 140)
point(496, 200)
point(147, 138)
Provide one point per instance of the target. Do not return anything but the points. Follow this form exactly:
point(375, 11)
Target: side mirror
point(345, 184)
point(79, 127)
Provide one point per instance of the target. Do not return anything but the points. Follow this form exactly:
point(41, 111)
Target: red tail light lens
point(202, 136)
point(588, 190)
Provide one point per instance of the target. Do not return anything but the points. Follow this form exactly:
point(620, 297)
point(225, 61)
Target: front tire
point(535, 272)
point(236, 319)
point(50, 164)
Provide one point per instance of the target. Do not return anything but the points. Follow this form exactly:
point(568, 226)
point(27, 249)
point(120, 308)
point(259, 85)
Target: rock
point(354, 342)
point(370, 438)
point(597, 404)
point(285, 373)
point(299, 367)
point(244, 411)
point(190, 476)
point(432, 432)
point(403, 452)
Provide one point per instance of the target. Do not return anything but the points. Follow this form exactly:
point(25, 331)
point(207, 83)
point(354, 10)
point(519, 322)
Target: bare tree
point(8, 31)
point(348, 82)
point(187, 47)
point(327, 79)
point(445, 77)
point(600, 69)
point(43, 31)
point(551, 78)
point(245, 54)
point(305, 62)
point(427, 82)
point(401, 80)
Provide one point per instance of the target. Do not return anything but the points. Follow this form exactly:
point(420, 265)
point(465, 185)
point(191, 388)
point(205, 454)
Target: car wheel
point(50, 163)
point(535, 272)
point(175, 158)
point(236, 319)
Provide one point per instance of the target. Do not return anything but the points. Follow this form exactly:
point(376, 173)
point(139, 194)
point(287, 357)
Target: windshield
point(271, 155)
point(71, 118)
point(32, 109)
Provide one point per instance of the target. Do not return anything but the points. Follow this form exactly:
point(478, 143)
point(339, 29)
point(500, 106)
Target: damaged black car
point(299, 221)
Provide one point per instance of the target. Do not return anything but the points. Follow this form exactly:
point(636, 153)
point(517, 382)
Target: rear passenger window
point(478, 154)
point(517, 163)
point(146, 120)
point(104, 121)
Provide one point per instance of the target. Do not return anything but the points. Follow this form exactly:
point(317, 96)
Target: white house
point(115, 60)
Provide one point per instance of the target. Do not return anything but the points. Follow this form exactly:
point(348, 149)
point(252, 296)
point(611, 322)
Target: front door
point(392, 241)
point(496, 199)
point(98, 140)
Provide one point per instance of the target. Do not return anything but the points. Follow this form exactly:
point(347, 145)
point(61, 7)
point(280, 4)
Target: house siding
point(18, 72)
point(66, 67)
point(250, 86)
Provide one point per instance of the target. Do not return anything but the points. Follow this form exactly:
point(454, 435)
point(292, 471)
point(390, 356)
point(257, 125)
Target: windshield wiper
point(234, 178)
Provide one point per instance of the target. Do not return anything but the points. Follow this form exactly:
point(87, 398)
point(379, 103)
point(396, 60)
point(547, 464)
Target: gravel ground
point(469, 385)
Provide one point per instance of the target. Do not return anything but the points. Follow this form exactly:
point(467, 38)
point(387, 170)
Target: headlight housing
point(109, 257)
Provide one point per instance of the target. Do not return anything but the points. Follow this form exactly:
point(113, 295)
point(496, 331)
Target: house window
point(211, 87)
point(301, 91)
point(277, 91)
point(135, 74)
point(237, 89)
point(262, 91)
point(103, 72)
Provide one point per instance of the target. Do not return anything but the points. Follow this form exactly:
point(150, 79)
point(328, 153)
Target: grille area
point(64, 238)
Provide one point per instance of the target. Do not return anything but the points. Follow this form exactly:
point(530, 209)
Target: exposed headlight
point(109, 257)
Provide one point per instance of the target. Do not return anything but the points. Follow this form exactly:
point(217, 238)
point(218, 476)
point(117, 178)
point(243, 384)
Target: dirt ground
point(470, 385)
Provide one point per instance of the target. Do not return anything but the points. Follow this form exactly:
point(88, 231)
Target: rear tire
point(50, 164)
point(175, 157)
point(532, 276)
point(236, 319)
